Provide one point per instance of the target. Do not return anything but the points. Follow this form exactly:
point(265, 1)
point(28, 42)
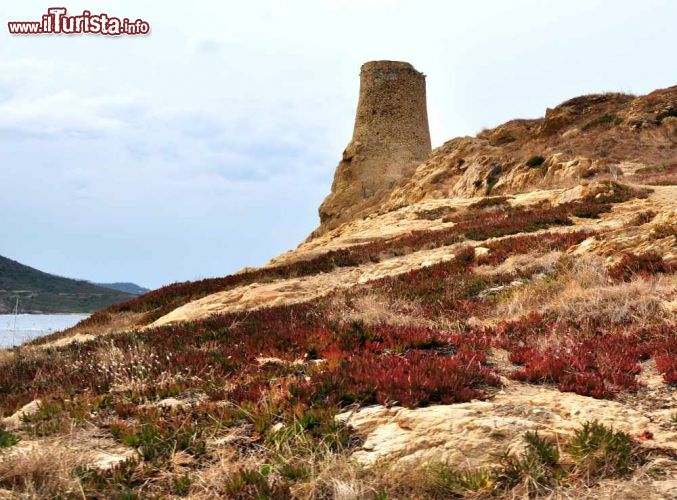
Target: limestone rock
point(474, 434)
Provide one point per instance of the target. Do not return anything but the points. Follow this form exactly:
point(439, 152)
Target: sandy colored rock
point(15, 420)
point(291, 291)
point(474, 434)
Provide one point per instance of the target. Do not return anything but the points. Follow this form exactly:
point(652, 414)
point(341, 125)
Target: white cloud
point(63, 112)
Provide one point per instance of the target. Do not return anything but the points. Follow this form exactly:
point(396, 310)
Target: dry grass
point(373, 309)
point(527, 263)
point(338, 478)
point(130, 369)
point(580, 291)
point(660, 231)
point(209, 483)
point(6, 356)
point(42, 473)
point(119, 322)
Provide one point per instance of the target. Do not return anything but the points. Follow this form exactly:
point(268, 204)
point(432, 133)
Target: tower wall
point(390, 138)
point(392, 120)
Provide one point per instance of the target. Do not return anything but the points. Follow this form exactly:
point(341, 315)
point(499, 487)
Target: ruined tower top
point(390, 138)
point(391, 113)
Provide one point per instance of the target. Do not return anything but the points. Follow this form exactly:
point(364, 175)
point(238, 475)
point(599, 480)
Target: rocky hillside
point(501, 324)
point(40, 292)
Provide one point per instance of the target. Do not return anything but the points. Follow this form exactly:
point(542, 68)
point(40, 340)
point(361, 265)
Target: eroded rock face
point(582, 139)
point(390, 139)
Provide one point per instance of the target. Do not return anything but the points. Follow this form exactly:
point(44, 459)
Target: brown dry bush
point(41, 473)
point(580, 292)
point(661, 231)
point(373, 308)
point(6, 356)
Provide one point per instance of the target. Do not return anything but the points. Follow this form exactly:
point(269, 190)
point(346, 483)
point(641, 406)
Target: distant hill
point(132, 288)
point(40, 292)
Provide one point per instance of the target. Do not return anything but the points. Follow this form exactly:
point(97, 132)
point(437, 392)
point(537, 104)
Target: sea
point(24, 327)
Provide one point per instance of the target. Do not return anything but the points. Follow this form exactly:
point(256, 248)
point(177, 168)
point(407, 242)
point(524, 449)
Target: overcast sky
point(209, 144)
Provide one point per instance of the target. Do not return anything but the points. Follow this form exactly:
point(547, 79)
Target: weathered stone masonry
point(390, 138)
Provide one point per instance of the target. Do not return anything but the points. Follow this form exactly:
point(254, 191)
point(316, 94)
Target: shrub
point(253, 483)
point(617, 193)
point(435, 213)
point(7, 439)
point(660, 231)
point(546, 452)
point(599, 451)
point(664, 350)
point(643, 265)
point(158, 439)
point(492, 178)
point(502, 139)
point(443, 481)
point(181, 485)
point(123, 480)
point(589, 210)
point(604, 119)
point(643, 218)
point(589, 363)
point(661, 175)
point(516, 221)
point(536, 469)
point(492, 201)
point(537, 243)
point(55, 416)
point(535, 161)
point(417, 378)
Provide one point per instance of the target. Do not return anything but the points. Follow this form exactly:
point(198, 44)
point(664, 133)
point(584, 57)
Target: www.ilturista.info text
point(57, 21)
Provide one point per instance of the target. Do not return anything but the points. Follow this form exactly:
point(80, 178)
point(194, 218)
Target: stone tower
point(390, 138)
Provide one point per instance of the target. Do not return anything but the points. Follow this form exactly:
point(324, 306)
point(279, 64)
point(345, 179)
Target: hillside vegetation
point(512, 338)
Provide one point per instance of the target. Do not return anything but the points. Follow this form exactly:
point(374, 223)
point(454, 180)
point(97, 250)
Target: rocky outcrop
point(474, 434)
point(585, 138)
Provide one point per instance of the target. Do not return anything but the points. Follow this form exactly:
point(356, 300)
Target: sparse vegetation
point(443, 481)
point(502, 139)
point(435, 213)
point(535, 161)
point(491, 201)
point(605, 119)
point(599, 451)
point(492, 178)
point(647, 264)
point(7, 439)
